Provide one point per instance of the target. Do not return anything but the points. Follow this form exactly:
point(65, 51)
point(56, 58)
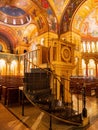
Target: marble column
point(86, 62)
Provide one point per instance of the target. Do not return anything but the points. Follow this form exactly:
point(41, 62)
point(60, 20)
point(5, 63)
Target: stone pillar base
point(85, 122)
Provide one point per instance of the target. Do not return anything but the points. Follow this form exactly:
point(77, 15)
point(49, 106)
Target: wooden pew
point(10, 89)
point(76, 85)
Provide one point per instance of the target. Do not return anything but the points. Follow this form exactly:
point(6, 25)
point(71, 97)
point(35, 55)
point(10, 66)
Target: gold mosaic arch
point(58, 7)
point(81, 14)
point(32, 7)
point(3, 44)
point(33, 32)
point(10, 34)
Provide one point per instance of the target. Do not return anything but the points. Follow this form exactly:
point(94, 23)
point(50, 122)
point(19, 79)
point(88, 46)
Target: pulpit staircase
point(41, 89)
point(37, 88)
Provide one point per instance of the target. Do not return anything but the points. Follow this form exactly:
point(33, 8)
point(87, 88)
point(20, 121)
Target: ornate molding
point(65, 54)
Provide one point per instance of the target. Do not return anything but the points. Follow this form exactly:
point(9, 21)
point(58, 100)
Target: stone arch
point(8, 35)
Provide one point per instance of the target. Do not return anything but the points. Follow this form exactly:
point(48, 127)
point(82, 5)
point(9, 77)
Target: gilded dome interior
point(13, 15)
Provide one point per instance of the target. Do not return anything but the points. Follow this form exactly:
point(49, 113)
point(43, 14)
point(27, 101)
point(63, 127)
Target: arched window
point(91, 68)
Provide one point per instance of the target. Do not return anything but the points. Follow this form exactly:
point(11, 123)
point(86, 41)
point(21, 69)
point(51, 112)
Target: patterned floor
point(38, 120)
point(8, 121)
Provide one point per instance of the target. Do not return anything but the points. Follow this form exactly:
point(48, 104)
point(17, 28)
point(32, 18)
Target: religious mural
point(90, 25)
point(68, 14)
point(77, 21)
point(59, 6)
point(38, 18)
point(52, 20)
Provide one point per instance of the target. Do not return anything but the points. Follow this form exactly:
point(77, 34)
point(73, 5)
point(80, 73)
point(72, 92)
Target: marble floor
point(11, 118)
point(9, 122)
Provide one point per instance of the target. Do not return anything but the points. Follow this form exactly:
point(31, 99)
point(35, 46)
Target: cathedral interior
point(56, 36)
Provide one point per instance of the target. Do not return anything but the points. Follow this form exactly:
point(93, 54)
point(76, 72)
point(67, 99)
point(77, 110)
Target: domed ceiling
point(12, 10)
point(29, 18)
point(52, 15)
point(13, 15)
point(57, 16)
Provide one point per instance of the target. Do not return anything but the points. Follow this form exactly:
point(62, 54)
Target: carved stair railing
point(50, 104)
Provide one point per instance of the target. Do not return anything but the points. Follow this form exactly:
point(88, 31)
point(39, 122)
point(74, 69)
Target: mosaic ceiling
point(59, 16)
point(90, 24)
point(53, 13)
point(85, 20)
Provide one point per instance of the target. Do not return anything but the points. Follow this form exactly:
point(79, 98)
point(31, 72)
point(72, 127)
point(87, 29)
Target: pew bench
point(10, 95)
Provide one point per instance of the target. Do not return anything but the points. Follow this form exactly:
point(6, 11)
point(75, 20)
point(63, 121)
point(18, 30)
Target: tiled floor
point(38, 120)
point(9, 122)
